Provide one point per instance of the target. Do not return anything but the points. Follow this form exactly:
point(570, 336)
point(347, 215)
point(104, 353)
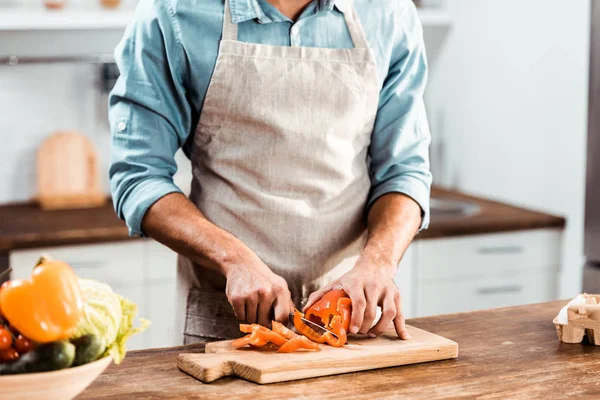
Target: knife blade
point(315, 327)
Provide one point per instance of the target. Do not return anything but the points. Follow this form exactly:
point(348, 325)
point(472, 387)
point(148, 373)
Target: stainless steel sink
point(448, 209)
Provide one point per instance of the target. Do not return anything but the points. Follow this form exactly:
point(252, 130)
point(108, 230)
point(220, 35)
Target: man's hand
point(368, 286)
point(253, 290)
point(392, 223)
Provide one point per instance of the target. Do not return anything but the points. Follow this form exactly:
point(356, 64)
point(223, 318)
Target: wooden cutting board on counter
point(361, 354)
point(67, 173)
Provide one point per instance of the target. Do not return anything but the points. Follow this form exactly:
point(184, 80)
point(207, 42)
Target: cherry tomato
point(23, 345)
point(8, 355)
point(14, 330)
point(5, 339)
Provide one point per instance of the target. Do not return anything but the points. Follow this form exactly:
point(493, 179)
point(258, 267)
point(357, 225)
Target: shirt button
point(121, 126)
point(295, 30)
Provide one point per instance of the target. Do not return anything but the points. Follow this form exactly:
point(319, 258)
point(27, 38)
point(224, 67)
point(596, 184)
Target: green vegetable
point(87, 349)
point(109, 317)
point(46, 357)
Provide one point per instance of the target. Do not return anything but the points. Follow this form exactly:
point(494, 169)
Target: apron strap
point(230, 30)
point(354, 26)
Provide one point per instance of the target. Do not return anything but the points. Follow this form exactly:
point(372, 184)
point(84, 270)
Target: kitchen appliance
point(67, 173)
point(591, 275)
point(361, 354)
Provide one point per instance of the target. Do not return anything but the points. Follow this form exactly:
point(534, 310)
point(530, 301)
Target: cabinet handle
point(501, 250)
point(500, 289)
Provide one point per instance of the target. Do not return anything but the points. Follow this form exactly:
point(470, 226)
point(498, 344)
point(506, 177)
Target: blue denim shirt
point(166, 59)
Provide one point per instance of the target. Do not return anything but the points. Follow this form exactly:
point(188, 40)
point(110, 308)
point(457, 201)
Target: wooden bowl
point(64, 384)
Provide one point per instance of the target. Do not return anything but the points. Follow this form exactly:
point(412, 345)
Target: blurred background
point(508, 109)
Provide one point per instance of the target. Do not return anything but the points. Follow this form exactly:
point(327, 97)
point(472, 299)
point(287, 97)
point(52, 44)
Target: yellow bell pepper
point(46, 307)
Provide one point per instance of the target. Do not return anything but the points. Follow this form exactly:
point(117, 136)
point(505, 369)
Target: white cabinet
point(405, 281)
point(160, 295)
point(486, 271)
point(143, 271)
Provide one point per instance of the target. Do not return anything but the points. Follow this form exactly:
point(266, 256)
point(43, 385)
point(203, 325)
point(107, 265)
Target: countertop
point(26, 226)
point(503, 353)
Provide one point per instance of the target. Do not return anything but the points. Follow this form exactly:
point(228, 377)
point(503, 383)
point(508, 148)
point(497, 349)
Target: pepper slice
point(259, 337)
point(333, 312)
point(280, 336)
point(283, 330)
point(298, 343)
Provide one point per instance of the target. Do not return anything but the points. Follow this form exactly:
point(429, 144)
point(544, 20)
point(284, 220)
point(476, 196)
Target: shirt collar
point(244, 10)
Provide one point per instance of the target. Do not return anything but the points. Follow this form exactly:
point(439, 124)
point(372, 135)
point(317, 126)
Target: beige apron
point(280, 159)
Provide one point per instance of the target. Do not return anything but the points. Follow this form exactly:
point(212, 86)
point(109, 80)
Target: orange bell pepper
point(280, 336)
point(298, 343)
point(283, 331)
point(259, 337)
point(333, 311)
point(46, 307)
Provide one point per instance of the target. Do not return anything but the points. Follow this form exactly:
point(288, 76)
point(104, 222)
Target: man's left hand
point(369, 285)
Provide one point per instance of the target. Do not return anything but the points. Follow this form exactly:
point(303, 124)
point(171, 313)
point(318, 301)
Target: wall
point(508, 108)
point(507, 102)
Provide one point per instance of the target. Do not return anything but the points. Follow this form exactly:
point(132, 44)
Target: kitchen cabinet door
point(489, 255)
point(469, 295)
point(135, 293)
point(405, 281)
point(161, 303)
point(111, 263)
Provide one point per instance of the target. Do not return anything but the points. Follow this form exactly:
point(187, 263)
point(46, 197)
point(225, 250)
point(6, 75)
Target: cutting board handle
point(206, 367)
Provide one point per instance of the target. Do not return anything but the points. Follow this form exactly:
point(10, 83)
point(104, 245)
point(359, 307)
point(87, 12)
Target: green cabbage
point(110, 317)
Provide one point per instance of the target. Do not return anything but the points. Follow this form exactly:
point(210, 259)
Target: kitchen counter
point(503, 353)
point(26, 226)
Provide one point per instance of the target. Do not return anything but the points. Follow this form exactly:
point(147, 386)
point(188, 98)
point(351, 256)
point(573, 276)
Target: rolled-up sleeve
point(149, 113)
point(399, 149)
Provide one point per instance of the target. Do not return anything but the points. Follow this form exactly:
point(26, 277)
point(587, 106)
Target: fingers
point(239, 308)
point(388, 313)
point(399, 322)
point(316, 296)
point(359, 304)
point(251, 309)
point(372, 295)
point(283, 306)
point(265, 302)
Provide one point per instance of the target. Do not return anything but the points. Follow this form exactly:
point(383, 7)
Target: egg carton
point(583, 319)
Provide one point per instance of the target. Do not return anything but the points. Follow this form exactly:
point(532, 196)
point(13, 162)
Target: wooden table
point(504, 353)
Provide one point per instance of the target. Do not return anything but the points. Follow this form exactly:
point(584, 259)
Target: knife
point(315, 327)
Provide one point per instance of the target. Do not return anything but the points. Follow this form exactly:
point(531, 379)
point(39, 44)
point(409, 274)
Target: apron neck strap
point(354, 26)
point(230, 30)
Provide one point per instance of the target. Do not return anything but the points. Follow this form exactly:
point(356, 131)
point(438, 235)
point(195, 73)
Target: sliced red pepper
point(241, 342)
point(298, 343)
point(307, 330)
point(333, 311)
point(283, 330)
point(336, 326)
point(259, 337)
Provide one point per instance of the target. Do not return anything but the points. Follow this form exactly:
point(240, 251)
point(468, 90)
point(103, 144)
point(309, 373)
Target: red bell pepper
point(280, 336)
point(332, 312)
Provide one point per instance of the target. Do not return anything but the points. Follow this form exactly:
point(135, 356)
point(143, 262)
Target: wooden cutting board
point(360, 354)
point(67, 173)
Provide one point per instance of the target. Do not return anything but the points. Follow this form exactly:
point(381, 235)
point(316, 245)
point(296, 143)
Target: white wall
point(508, 107)
point(35, 101)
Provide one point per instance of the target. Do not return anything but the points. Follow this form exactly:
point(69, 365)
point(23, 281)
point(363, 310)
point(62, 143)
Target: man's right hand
point(253, 290)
